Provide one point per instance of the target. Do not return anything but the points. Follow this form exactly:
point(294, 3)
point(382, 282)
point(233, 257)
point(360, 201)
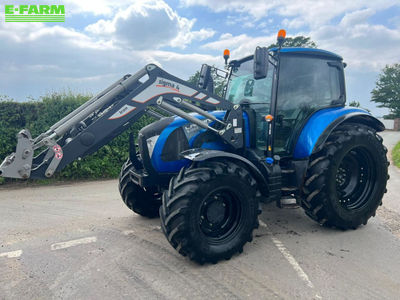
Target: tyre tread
point(314, 197)
point(176, 200)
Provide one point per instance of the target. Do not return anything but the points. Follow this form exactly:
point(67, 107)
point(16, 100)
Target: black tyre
point(143, 202)
point(210, 210)
point(346, 180)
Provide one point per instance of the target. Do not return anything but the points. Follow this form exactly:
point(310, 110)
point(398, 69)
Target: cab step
point(287, 202)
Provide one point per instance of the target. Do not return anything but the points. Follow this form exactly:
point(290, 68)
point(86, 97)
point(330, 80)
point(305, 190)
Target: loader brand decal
point(122, 112)
point(162, 86)
point(34, 13)
point(167, 84)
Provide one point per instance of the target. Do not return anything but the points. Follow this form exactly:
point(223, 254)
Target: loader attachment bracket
point(18, 164)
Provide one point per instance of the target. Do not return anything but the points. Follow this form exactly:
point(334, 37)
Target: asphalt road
point(79, 241)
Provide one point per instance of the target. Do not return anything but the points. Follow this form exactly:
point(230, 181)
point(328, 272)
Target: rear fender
point(321, 124)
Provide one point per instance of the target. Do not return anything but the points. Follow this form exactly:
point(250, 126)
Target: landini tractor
point(281, 130)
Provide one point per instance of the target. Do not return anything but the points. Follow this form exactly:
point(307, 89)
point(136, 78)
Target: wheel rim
point(220, 214)
point(355, 178)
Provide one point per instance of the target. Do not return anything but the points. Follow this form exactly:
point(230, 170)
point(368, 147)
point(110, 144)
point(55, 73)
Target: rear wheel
point(210, 210)
point(144, 202)
point(346, 180)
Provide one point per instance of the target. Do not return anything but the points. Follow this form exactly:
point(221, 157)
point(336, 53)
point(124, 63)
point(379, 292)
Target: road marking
point(128, 232)
point(11, 254)
point(289, 257)
point(156, 228)
point(133, 232)
point(63, 245)
point(292, 261)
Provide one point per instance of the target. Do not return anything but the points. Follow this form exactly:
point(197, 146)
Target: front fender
point(201, 154)
point(320, 125)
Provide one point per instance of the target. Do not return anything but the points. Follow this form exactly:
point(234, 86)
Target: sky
point(102, 40)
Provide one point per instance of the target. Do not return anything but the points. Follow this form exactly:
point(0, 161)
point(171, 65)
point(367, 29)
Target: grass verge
point(396, 155)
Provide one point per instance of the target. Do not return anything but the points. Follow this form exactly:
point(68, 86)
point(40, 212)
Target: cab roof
point(296, 50)
point(308, 51)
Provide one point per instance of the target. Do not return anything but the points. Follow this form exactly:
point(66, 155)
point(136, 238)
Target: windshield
point(243, 87)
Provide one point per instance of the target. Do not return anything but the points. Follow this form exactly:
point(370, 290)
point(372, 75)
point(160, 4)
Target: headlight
point(151, 142)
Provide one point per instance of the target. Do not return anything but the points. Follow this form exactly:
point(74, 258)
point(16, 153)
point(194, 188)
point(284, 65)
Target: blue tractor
point(281, 130)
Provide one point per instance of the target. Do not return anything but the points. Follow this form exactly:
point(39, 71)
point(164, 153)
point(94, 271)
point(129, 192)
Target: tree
point(387, 90)
point(297, 41)
point(354, 104)
point(194, 78)
point(218, 82)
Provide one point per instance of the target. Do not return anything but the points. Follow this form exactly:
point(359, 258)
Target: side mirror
point(205, 80)
point(260, 63)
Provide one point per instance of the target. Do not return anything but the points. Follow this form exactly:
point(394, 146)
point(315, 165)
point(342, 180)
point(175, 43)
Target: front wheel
point(144, 202)
point(210, 210)
point(346, 180)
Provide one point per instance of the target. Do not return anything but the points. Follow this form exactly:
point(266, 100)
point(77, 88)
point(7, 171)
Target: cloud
point(95, 7)
point(50, 57)
point(246, 21)
point(149, 25)
point(240, 45)
point(356, 17)
point(256, 8)
point(298, 12)
point(43, 59)
point(365, 46)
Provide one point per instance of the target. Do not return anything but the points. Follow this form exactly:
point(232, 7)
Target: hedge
point(39, 115)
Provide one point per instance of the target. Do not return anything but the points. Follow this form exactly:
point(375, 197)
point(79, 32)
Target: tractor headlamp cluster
point(151, 143)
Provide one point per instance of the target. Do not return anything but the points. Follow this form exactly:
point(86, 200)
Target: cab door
point(306, 84)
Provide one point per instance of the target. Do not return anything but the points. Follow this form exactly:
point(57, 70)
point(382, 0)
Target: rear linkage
point(110, 112)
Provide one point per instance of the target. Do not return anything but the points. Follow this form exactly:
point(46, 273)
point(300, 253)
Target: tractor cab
point(296, 82)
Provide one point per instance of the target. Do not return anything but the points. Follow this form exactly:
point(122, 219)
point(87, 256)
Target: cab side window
point(306, 84)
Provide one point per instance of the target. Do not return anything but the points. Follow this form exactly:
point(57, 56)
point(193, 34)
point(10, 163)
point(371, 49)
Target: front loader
point(280, 131)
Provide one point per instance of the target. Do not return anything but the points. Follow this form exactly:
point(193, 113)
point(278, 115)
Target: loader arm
point(112, 111)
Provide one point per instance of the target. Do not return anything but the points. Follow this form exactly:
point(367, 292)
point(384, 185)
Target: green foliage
point(354, 103)
point(387, 90)
point(218, 82)
point(39, 115)
point(219, 86)
point(396, 155)
point(297, 41)
point(194, 78)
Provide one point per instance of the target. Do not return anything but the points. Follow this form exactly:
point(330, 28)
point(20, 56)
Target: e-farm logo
point(34, 13)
